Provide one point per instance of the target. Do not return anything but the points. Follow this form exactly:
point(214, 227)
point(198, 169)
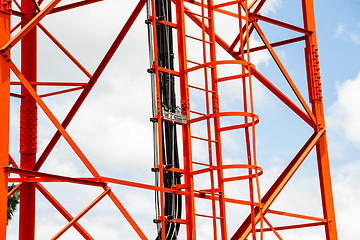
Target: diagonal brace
point(53, 119)
point(28, 27)
point(284, 72)
point(80, 215)
point(62, 210)
point(108, 56)
point(245, 229)
point(260, 77)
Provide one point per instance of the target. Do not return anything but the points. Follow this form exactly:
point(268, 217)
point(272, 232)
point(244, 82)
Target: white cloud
point(271, 6)
point(344, 113)
point(343, 32)
point(104, 126)
point(347, 195)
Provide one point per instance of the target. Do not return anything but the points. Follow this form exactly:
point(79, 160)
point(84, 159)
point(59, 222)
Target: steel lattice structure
point(194, 68)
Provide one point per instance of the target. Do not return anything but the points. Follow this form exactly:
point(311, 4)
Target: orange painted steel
point(5, 13)
point(213, 171)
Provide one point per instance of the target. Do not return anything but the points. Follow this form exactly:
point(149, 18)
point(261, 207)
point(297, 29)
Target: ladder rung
point(199, 88)
point(195, 68)
point(204, 139)
point(193, 62)
point(198, 39)
point(166, 70)
point(177, 220)
point(198, 119)
point(204, 170)
point(225, 4)
point(196, 14)
point(232, 77)
point(170, 24)
point(208, 216)
point(199, 113)
point(199, 163)
point(209, 190)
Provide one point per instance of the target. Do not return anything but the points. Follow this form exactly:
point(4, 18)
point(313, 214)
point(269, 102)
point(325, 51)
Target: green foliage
point(13, 202)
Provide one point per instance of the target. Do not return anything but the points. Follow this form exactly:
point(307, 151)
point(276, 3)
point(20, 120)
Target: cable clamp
point(176, 117)
point(156, 221)
point(155, 169)
point(151, 70)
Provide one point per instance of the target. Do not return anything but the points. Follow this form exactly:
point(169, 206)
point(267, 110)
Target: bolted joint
point(5, 6)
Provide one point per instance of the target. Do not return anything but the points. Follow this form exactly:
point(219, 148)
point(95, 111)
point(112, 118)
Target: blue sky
point(114, 109)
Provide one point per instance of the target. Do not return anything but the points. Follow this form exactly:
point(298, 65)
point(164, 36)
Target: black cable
point(172, 202)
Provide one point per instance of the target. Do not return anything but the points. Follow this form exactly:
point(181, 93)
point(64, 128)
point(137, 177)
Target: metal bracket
point(176, 117)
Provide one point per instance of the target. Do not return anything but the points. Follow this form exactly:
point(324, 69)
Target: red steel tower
point(190, 62)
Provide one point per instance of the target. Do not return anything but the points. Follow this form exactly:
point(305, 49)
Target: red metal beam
point(314, 84)
point(277, 44)
point(29, 26)
point(29, 173)
point(181, 10)
point(91, 83)
point(28, 121)
point(63, 49)
point(13, 162)
point(53, 119)
point(272, 229)
point(284, 72)
point(256, 16)
point(258, 75)
point(63, 211)
point(80, 215)
point(284, 98)
point(73, 5)
point(270, 196)
point(127, 215)
point(5, 118)
point(52, 83)
point(61, 92)
point(293, 226)
point(16, 188)
point(17, 13)
point(296, 215)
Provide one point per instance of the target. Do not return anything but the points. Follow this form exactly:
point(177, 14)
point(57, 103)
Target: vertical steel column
point(315, 93)
point(186, 133)
point(216, 110)
point(28, 125)
point(5, 114)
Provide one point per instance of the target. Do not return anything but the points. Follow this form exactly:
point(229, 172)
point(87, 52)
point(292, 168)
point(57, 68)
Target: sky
point(113, 129)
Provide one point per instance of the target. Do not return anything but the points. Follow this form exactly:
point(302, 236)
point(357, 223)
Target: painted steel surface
point(208, 66)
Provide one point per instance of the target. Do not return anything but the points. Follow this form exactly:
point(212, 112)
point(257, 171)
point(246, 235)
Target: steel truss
point(186, 76)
